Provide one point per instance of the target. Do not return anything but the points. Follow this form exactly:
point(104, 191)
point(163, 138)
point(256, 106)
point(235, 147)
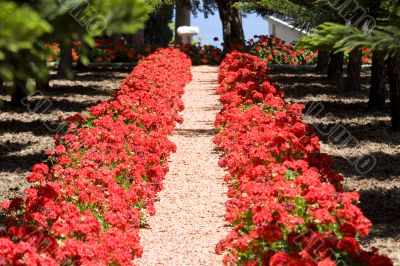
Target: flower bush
point(85, 204)
point(107, 51)
point(202, 54)
point(286, 207)
point(104, 51)
point(277, 52)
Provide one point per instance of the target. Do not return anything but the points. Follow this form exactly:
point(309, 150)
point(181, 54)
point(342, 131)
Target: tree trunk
point(323, 61)
point(157, 32)
point(42, 85)
point(18, 92)
point(42, 81)
point(393, 65)
point(353, 82)
point(182, 18)
point(232, 26)
point(378, 82)
point(65, 64)
point(137, 39)
point(116, 39)
point(335, 67)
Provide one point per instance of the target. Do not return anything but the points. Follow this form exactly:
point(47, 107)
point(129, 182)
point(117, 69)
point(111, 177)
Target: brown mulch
point(370, 139)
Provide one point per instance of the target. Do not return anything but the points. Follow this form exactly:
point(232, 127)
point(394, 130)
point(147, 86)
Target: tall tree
point(393, 69)
point(157, 30)
point(323, 61)
point(353, 81)
point(378, 81)
point(335, 67)
point(232, 26)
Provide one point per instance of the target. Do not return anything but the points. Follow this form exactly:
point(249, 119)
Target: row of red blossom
point(287, 207)
point(85, 205)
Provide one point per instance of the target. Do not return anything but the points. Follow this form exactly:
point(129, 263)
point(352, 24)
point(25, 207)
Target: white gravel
point(191, 208)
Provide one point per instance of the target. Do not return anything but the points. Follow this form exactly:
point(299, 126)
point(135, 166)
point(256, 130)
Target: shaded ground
point(26, 132)
point(362, 146)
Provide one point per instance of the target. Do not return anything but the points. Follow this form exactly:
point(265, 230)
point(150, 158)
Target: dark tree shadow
point(99, 75)
point(9, 147)
point(49, 105)
point(374, 132)
point(72, 106)
point(194, 132)
point(296, 78)
point(340, 109)
point(37, 127)
point(386, 166)
point(300, 84)
point(96, 74)
point(12, 163)
point(212, 108)
point(58, 90)
point(382, 207)
point(305, 77)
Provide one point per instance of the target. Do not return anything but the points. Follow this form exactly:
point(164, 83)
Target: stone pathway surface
point(190, 211)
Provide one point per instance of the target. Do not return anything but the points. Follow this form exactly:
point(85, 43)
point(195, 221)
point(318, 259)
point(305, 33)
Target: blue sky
point(211, 27)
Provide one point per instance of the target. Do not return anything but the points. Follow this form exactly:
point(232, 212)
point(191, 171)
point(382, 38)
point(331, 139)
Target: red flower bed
point(276, 51)
point(84, 206)
point(287, 207)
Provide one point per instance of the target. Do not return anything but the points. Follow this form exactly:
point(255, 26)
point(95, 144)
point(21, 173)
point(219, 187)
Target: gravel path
point(190, 213)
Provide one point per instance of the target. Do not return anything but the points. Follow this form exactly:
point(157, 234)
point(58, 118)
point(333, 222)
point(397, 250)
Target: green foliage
point(157, 31)
point(385, 37)
point(20, 32)
point(326, 36)
point(20, 27)
point(305, 14)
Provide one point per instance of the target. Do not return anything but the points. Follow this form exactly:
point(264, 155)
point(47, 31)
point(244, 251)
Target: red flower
point(204, 60)
point(380, 260)
point(350, 246)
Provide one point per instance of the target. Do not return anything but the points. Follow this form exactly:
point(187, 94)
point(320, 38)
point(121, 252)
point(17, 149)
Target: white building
point(284, 30)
